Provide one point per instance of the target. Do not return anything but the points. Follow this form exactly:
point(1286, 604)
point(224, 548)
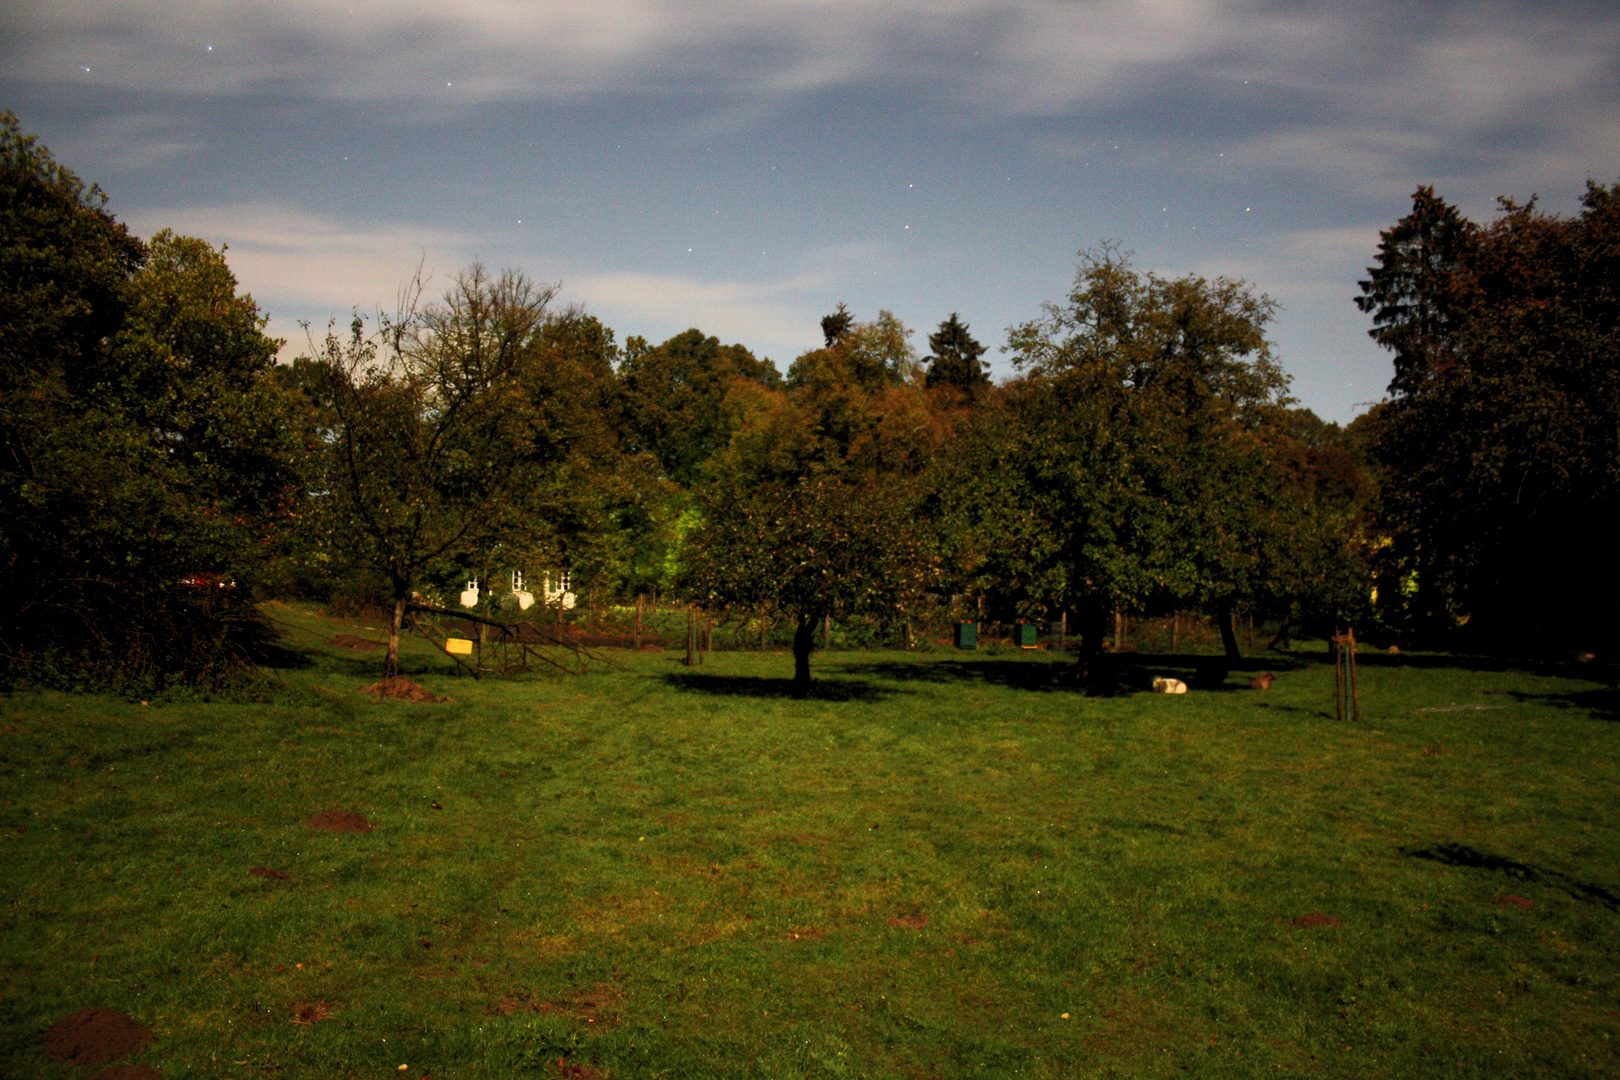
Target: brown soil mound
point(403, 690)
point(578, 1072)
point(597, 1006)
point(129, 1072)
point(358, 644)
point(1513, 900)
point(909, 922)
point(92, 1036)
point(1262, 682)
point(1316, 918)
point(310, 1013)
point(266, 872)
point(339, 821)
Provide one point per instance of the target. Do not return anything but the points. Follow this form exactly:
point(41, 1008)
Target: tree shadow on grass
point(1109, 675)
point(1603, 702)
point(761, 687)
point(1549, 666)
point(1475, 859)
point(1017, 674)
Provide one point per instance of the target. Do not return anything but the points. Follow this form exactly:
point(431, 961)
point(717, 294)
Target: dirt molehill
point(578, 1072)
point(266, 872)
point(358, 644)
point(1315, 919)
point(92, 1036)
point(310, 1013)
point(403, 690)
point(909, 922)
point(129, 1072)
point(600, 1006)
point(1514, 900)
point(339, 821)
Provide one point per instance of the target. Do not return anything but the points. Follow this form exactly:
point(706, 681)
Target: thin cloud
point(307, 267)
point(1017, 56)
point(300, 266)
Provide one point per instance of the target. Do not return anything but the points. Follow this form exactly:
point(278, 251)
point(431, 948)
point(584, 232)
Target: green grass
point(657, 871)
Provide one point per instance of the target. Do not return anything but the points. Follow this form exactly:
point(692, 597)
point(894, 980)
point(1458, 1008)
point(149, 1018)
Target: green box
point(1024, 635)
point(967, 635)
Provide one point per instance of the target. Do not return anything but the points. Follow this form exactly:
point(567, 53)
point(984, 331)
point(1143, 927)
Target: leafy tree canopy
point(144, 448)
point(673, 396)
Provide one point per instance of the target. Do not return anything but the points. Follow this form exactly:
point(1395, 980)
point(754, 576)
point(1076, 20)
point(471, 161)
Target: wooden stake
point(1355, 691)
point(1338, 679)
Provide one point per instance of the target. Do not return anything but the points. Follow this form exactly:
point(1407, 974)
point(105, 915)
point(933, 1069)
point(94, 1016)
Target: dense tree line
point(162, 471)
point(1498, 452)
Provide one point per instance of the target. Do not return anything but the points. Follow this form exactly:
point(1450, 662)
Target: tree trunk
point(1229, 641)
point(804, 641)
point(1093, 620)
point(401, 595)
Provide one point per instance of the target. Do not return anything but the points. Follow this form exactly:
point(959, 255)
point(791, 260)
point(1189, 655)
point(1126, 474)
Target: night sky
point(742, 167)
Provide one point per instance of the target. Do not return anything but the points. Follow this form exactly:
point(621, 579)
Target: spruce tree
point(955, 357)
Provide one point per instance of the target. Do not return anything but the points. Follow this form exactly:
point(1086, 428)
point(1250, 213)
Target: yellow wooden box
point(458, 647)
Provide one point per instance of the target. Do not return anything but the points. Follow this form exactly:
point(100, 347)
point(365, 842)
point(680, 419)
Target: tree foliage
point(953, 358)
point(437, 432)
point(1134, 464)
point(812, 511)
point(1500, 448)
point(674, 395)
point(145, 458)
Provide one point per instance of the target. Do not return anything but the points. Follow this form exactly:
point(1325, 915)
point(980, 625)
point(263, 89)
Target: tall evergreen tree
point(1405, 291)
point(954, 357)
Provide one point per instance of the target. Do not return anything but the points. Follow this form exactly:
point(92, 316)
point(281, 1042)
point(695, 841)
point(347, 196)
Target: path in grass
point(657, 871)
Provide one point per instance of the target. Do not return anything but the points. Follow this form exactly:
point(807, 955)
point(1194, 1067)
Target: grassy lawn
point(947, 865)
